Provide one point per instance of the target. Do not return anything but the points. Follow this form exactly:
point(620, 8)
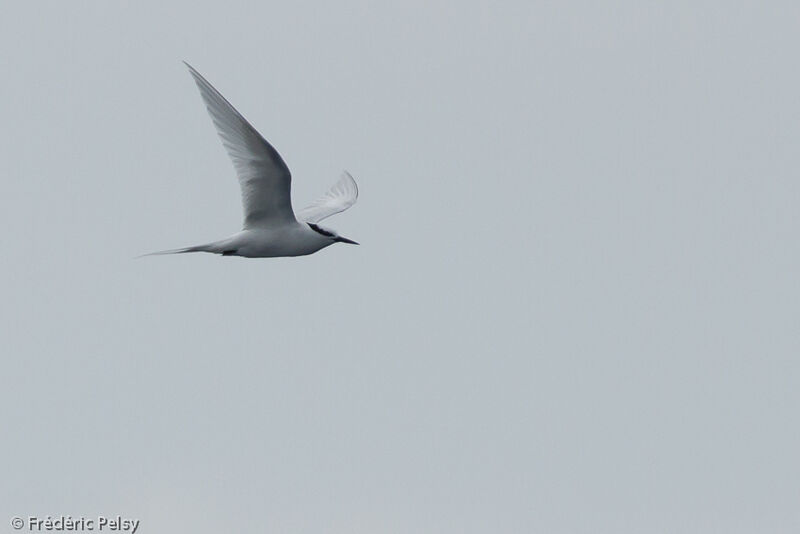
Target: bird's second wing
point(264, 178)
point(341, 196)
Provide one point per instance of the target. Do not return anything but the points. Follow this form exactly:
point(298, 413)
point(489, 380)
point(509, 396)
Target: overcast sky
point(574, 309)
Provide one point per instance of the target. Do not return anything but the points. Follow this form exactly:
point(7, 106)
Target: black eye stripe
point(320, 230)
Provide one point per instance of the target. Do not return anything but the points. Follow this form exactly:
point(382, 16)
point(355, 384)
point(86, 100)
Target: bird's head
point(331, 234)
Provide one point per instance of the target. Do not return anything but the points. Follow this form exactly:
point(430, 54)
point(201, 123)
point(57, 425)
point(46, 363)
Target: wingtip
point(346, 174)
point(192, 70)
point(352, 180)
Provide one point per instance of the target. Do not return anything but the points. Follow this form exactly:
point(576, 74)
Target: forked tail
point(198, 248)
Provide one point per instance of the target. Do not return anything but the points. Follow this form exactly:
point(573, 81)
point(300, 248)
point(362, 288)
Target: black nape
point(320, 230)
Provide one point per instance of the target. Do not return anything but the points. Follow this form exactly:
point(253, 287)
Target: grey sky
point(574, 309)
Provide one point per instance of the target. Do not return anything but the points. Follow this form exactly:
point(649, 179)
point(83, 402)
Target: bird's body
point(296, 239)
point(271, 228)
point(290, 240)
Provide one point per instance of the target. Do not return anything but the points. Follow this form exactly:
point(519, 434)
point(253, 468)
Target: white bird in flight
point(271, 228)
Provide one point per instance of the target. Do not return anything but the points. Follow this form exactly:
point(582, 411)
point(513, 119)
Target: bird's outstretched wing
point(264, 178)
point(341, 196)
